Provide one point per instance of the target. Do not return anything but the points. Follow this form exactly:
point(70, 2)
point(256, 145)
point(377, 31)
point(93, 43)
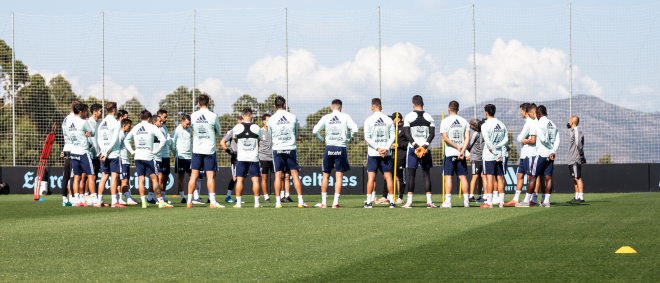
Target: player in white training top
point(496, 140)
point(339, 129)
point(456, 134)
point(379, 135)
point(108, 137)
point(81, 160)
point(246, 135)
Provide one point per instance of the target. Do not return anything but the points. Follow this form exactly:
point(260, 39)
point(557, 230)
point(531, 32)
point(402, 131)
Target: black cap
point(394, 116)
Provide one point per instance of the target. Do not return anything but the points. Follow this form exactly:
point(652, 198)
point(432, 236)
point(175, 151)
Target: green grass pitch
point(43, 241)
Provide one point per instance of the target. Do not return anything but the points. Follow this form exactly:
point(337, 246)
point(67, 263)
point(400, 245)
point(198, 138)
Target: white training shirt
point(283, 130)
point(205, 126)
point(182, 142)
point(529, 129)
point(68, 144)
point(420, 124)
point(144, 134)
point(108, 136)
point(123, 152)
point(495, 138)
point(455, 126)
point(247, 137)
point(547, 137)
point(336, 125)
point(94, 149)
point(76, 133)
point(379, 133)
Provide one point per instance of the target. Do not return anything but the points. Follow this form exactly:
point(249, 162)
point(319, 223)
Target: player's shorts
point(97, 165)
point(82, 164)
point(384, 164)
point(335, 157)
point(146, 167)
point(266, 166)
point(541, 166)
point(111, 165)
point(576, 170)
point(477, 168)
point(245, 168)
point(125, 171)
point(285, 160)
point(496, 168)
point(204, 162)
point(523, 166)
point(182, 166)
point(165, 166)
point(451, 165)
point(412, 160)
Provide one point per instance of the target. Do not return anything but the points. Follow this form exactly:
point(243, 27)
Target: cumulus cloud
point(113, 91)
point(220, 93)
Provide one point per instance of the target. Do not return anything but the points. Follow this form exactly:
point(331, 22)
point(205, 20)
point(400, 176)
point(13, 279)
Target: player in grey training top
point(265, 156)
point(455, 134)
point(475, 148)
point(231, 149)
point(576, 158)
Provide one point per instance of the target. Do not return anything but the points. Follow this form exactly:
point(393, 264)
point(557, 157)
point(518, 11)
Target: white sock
point(196, 194)
point(577, 195)
point(86, 195)
point(286, 195)
point(190, 198)
point(535, 197)
point(182, 195)
point(368, 198)
point(300, 200)
point(542, 198)
point(143, 198)
point(324, 197)
point(471, 195)
point(256, 201)
point(282, 194)
point(114, 199)
point(96, 198)
point(336, 202)
point(160, 199)
point(517, 197)
point(409, 200)
point(502, 198)
point(212, 197)
point(448, 198)
point(496, 195)
point(581, 195)
point(239, 200)
point(65, 199)
point(373, 195)
point(390, 198)
point(547, 198)
point(428, 198)
point(266, 197)
point(527, 197)
point(278, 201)
point(76, 198)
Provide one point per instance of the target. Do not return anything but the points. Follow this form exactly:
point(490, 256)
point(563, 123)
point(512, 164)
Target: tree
point(180, 102)
point(513, 151)
point(21, 70)
point(34, 103)
point(134, 107)
point(62, 94)
point(605, 159)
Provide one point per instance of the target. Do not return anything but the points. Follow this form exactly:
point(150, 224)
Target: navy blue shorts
point(523, 166)
point(204, 162)
point(146, 167)
point(335, 157)
point(496, 168)
point(412, 160)
point(243, 168)
point(97, 165)
point(165, 166)
point(451, 165)
point(125, 171)
point(541, 166)
point(182, 166)
point(111, 165)
point(82, 164)
point(285, 160)
point(384, 164)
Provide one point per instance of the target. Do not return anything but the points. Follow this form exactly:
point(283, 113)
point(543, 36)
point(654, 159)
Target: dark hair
point(337, 103)
point(85, 112)
point(453, 106)
point(145, 115)
point(78, 108)
point(396, 115)
point(121, 113)
point(531, 107)
point(111, 106)
point(524, 106)
point(247, 111)
point(490, 109)
point(96, 107)
point(126, 122)
point(417, 100)
point(203, 100)
point(185, 117)
point(154, 119)
point(376, 102)
point(161, 111)
point(541, 109)
point(74, 103)
point(263, 117)
point(279, 102)
point(240, 118)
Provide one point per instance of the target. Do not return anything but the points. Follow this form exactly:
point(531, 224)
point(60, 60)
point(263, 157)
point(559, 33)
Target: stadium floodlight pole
point(13, 87)
point(570, 63)
point(474, 64)
point(194, 55)
point(102, 61)
point(286, 53)
point(380, 87)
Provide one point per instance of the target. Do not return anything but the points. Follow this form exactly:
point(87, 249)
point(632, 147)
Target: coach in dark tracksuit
point(402, 151)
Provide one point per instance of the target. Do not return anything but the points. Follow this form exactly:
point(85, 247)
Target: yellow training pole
point(442, 156)
point(396, 151)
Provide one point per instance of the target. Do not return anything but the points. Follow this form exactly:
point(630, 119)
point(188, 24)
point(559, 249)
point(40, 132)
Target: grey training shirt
point(265, 146)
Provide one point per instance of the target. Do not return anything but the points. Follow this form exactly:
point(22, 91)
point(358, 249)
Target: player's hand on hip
point(552, 156)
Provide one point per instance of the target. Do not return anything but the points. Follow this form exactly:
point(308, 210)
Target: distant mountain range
point(629, 136)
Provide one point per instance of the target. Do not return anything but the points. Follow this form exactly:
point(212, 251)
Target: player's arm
point(295, 128)
point(175, 137)
point(161, 140)
point(113, 141)
point(127, 142)
point(88, 128)
point(487, 142)
point(367, 136)
point(448, 141)
point(524, 133)
point(464, 146)
point(392, 138)
point(555, 146)
point(431, 136)
point(505, 141)
point(216, 127)
point(317, 129)
point(352, 126)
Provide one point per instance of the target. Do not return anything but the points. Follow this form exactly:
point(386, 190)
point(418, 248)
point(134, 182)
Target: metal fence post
point(13, 86)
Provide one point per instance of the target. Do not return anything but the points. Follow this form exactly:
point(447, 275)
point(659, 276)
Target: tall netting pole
point(286, 52)
point(194, 50)
point(13, 87)
point(103, 62)
point(380, 87)
point(474, 63)
point(570, 63)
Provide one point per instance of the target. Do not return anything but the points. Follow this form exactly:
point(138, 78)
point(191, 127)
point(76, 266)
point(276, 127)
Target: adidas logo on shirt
point(201, 119)
point(334, 120)
point(379, 122)
point(72, 127)
point(141, 131)
point(283, 121)
point(456, 124)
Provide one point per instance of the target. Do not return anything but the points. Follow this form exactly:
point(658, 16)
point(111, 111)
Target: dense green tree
point(62, 95)
point(134, 107)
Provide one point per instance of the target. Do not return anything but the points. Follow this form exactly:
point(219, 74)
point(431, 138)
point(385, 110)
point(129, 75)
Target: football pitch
point(43, 241)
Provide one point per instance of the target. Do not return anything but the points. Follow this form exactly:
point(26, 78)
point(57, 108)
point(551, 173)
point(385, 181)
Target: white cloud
point(114, 92)
point(220, 93)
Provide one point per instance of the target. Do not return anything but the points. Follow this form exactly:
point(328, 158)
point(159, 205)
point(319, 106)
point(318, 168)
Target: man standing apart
point(419, 128)
point(455, 133)
point(283, 130)
point(206, 127)
point(337, 136)
point(495, 141)
point(576, 158)
point(379, 135)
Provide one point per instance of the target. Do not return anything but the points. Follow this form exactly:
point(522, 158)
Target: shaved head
point(574, 120)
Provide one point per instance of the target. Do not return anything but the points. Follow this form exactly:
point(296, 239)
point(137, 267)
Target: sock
point(190, 198)
point(502, 198)
point(95, 197)
point(282, 194)
point(278, 201)
point(409, 200)
point(65, 199)
point(542, 198)
point(266, 197)
point(517, 197)
point(160, 199)
point(286, 195)
point(527, 197)
point(99, 198)
point(373, 195)
point(228, 193)
point(428, 198)
point(300, 200)
point(76, 198)
point(390, 198)
point(324, 197)
point(196, 194)
point(471, 195)
point(239, 200)
point(577, 195)
point(336, 202)
point(547, 198)
point(489, 198)
point(114, 199)
point(182, 195)
point(151, 196)
point(118, 196)
point(143, 198)
point(212, 197)
point(86, 195)
point(534, 197)
point(495, 196)
point(581, 195)
point(256, 201)
point(368, 198)
point(127, 195)
point(448, 198)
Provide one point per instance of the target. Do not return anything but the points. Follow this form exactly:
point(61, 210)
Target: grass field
point(43, 241)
